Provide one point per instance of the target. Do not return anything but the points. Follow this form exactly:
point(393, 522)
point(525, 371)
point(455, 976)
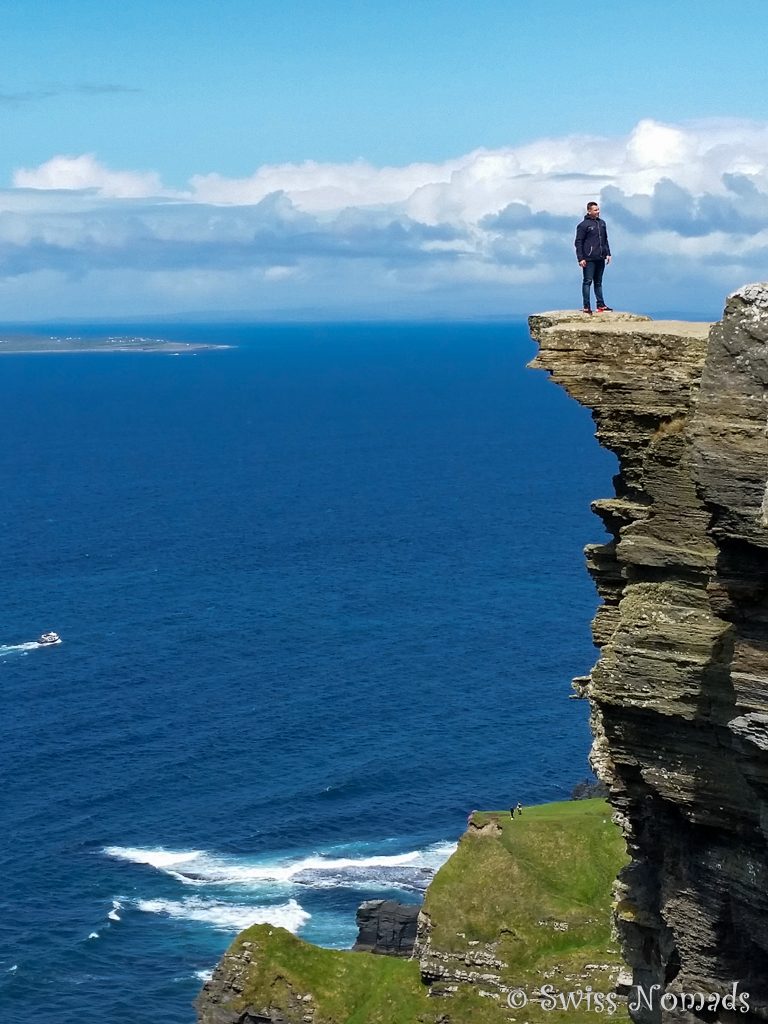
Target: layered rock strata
point(214, 1004)
point(387, 927)
point(679, 695)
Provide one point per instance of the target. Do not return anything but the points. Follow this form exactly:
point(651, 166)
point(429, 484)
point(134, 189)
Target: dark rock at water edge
point(387, 927)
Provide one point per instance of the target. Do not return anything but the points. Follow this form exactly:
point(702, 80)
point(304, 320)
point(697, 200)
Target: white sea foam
point(204, 976)
point(156, 858)
point(228, 916)
point(198, 867)
point(93, 935)
point(16, 648)
point(12, 969)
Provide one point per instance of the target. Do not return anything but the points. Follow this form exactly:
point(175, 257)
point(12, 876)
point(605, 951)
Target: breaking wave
point(228, 916)
point(235, 892)
point(410, 871)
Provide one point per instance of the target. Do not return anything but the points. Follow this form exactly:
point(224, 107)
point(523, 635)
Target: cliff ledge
point(679, 695)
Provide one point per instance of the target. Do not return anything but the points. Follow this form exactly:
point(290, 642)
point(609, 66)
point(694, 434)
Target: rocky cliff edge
point(679, 695)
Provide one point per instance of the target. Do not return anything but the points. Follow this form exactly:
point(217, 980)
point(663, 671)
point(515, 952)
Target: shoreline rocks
point(386, 927)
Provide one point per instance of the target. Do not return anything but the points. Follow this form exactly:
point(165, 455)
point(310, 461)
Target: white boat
point(49, 638)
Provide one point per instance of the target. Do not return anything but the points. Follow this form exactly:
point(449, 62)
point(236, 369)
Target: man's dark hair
point(593, 203)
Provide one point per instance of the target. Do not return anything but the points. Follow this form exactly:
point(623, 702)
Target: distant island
point(43, 343)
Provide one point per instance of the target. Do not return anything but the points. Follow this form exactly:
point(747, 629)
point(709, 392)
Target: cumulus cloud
point(487, 232)
point(85, 172)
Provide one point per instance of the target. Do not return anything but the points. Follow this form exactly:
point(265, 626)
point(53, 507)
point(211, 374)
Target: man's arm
point(607, 244)
point(579, 243)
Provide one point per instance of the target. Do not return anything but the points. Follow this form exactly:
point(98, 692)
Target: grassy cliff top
point(524, 899)
point(542, 881)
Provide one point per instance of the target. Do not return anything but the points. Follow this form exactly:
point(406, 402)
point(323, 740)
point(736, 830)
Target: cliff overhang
point(679, 695)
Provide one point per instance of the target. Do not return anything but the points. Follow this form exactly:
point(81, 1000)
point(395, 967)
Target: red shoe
point(587, 310)
point(604, 309)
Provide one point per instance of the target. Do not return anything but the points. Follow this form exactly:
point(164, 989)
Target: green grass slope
point(531, 896)
point(533, 892)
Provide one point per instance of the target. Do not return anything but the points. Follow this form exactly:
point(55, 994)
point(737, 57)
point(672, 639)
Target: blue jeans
point(593, 273)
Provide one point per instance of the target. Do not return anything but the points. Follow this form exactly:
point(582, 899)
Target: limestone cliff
point(679, 695)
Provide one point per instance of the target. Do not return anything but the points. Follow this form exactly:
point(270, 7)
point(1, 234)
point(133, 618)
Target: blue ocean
point(320, 594)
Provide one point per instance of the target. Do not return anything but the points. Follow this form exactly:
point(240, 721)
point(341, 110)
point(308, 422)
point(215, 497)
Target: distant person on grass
point(593, 253)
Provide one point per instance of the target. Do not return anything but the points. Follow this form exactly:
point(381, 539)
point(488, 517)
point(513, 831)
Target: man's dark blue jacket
point(592, 240)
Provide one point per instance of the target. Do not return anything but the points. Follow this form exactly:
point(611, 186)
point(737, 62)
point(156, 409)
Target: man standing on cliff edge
point(593, 253)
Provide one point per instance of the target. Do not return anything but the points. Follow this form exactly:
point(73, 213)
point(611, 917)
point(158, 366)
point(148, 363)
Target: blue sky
point(419, 158)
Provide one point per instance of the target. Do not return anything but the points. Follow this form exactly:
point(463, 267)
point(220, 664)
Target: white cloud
point(321, 188)
point(492, 230)
point(85, 172)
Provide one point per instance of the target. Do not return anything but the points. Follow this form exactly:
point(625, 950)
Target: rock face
point(386, 926)
point(679, 695)
point(214, 1002)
